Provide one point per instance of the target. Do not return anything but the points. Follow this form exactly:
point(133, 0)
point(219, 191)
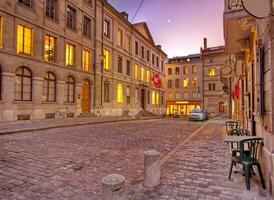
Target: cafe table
point(236, 139)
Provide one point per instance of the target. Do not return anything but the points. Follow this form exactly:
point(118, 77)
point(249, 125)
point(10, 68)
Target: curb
point(72, 125)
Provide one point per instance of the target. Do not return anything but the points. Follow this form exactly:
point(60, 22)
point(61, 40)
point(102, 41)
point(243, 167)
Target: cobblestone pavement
point(69, 163)
point(43, 124)
point(199, 170)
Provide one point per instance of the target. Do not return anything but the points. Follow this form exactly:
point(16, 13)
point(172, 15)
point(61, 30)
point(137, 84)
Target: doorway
point(86, 97)
point(143, 98)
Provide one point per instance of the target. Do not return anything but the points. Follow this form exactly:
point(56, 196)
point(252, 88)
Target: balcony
point(237, 26)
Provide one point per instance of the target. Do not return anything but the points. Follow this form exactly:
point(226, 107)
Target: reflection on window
point(120, 93)
point(211, 72)
point(106, 59)
point(24, 39)
point(85, 60)
point(49, 48)
point(69, 54)
point(185, 83)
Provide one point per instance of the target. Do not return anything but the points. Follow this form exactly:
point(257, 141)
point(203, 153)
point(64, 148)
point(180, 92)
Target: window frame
point(106, 91)
point(68, 84)
point(48, 80)
point(22, 2)
point(22, 80)
point(86, 27)
point(69, 17)
point(68, 57)
point(86, 66)
point(128, 67)
point(23, 40)
point(106, 28)
point(49, 12)
point(49, 48)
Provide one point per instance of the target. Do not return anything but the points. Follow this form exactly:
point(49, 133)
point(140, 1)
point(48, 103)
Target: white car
point(197, 114)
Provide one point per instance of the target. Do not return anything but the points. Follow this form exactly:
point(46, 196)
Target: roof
point(188, 58)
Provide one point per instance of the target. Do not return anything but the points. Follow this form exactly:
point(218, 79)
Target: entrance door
point(143, 96)
point(86, 97)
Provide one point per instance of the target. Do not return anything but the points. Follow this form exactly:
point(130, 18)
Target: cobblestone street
point(69, 163)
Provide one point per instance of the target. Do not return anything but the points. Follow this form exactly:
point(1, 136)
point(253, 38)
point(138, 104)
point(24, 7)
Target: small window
point(194, 82)
point(136, 48)
point(177, 70)
point(106, 59)
point(211, 72)
point(143, 52)
point(120, 37)
point(85, 60)
point(136, 72)
point(185, 70)
point(153, 59)
point(70, 89)
point(106, 28)
point(24, 40)
point(194, 69)
point(128, 68)
point(177, 83)
point(23, 84)
point(185, 82)
point(120, 93)
point(87, 27)
point(185, 95)
point(148, 55)
point(49, 49)
point(136, 95)
point(157, 61)
point(169, 71)
point(120, 64)
point(49, 89)
point(70, 54)
point(169, 83)
point(71, 17)
point(28, 3)
point(162, 64)
point(51, 9)
point(106, 91)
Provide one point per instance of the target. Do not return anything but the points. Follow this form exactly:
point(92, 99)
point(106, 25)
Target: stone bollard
point(113, 187)
point(152, 168)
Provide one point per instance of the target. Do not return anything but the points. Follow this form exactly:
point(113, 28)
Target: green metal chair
point(231, 125)
point(248, 160)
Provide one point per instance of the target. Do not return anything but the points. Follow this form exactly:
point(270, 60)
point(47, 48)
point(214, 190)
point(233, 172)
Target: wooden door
point(143, 100)
point(86, 97)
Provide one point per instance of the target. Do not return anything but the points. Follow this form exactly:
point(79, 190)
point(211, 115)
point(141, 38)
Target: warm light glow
point(142, 74)
point(128, 42)
point(1, 32)
point(136, 71)
point(211, 72)
point(119, 37)
point(24, 39)
point(148, 76)
point(120, 94)
point(155, 98)
point(182, 102)
point(185, 82)
point(85, 60)
point(106, 59)
point(194, 82)
point(69, 54)
point(49, 48)
point(194, 69)
point(185, 70)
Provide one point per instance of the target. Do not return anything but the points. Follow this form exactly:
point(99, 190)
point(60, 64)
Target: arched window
point(49, 88)
point(23, 84)
point(70, 89)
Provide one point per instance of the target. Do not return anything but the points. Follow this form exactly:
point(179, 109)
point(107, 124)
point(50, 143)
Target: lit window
point(157, 98)
point(136, 71)
point(194, 82)
point(128, 68)
point(49, 48)
point(128, 94)
point(120, 94)
point(211, 72)
point(194, 69)
point(85, 60)
point(69, 55)
point(70, 89)
point(23, 84)
point(185, 83)
point(148, 76)
point(49, 89)
point(128, 42)
point(153, 101)
point(142, 74)
point(1, 32)
point(24, 40)
point(106, 59)
point(185, 70)
point(120, 37)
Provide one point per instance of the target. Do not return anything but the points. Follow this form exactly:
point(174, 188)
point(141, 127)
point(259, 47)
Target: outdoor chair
point(248, 160)
point(231, 125)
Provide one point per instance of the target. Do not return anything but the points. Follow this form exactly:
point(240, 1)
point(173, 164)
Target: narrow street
point(69, 163)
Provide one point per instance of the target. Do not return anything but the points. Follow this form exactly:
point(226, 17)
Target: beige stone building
point(216, 97)
point(249, 44)
point(184, 84)
point(127, 63)
point(66, 58)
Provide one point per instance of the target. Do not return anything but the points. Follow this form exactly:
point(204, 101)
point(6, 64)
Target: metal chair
point(248, 160)
point(231, 125)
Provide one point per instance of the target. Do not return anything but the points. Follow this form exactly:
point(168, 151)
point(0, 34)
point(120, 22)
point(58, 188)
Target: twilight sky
point(179, 25)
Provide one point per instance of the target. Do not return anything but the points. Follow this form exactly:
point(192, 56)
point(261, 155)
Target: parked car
point(198, 114)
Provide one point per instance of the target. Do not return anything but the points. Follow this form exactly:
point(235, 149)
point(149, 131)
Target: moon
point(168, 21)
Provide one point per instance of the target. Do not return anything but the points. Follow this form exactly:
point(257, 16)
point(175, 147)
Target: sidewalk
point(44, 124)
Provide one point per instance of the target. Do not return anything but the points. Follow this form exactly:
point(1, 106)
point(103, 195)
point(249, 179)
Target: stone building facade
point(184, 84)
point(216, 99)
point(127, 63)
point(52, 60)
point(249, 44)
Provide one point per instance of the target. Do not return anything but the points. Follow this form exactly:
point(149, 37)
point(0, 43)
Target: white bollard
point(152, 168)
point(113, 187)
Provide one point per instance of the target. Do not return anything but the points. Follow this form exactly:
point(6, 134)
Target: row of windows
point(138, 51)
point(194, 83)
point(23, 86)
point(25, 46)
point(185, 95)
point(185, 70)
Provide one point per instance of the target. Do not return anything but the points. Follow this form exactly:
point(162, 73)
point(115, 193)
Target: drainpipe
point(94, 57)
point(102, 53)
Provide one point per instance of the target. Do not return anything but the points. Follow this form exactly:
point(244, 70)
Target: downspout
point(102, 57)
point(94, 56)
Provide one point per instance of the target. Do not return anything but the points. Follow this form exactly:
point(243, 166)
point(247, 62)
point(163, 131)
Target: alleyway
point(69, 163)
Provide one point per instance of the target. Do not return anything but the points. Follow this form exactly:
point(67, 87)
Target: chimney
point(205, 43)
point(124, 15)
point(159, 46)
